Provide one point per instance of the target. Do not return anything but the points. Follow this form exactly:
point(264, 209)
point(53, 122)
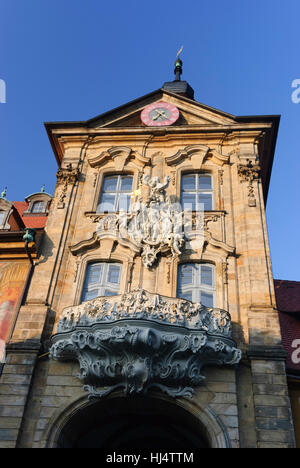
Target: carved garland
point(65, 176)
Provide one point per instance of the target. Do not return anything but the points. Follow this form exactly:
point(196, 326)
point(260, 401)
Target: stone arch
point(189, 424)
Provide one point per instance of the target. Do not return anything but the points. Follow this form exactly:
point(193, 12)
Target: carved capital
point(67, 175)
point(248, 172)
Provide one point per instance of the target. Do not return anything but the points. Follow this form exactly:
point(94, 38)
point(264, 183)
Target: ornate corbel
point(138, 341)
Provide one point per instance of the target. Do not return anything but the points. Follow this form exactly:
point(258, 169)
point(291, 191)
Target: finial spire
point(178, 65)
point(177, 86)
point(43, 189)
point(3, 194)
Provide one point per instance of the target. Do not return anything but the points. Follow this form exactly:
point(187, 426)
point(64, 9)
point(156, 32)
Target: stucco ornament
point(138, 341)
point(153, 226)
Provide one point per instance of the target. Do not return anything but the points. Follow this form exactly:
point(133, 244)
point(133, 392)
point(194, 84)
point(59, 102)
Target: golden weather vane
point(178, 65)
point(179, 52)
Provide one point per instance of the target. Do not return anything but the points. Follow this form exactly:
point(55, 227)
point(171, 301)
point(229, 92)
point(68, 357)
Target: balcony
point(138, 341)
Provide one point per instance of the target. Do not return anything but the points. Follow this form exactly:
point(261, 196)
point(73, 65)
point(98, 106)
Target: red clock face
point(159, 114)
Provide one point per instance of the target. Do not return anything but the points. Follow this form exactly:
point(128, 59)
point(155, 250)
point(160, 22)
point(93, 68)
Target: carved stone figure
point(153, 227)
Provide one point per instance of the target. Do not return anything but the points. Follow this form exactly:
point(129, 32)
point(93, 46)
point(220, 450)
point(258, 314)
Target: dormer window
point(38, 207)
point(38, 204)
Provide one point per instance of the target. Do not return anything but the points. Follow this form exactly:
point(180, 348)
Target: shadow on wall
point(47, 251)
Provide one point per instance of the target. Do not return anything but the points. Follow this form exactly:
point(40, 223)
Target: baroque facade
point(151, 319)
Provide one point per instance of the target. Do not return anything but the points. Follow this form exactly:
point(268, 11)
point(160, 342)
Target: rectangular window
point(115, 194)
point(196, 283)
point(196, 192)
point(101, 279)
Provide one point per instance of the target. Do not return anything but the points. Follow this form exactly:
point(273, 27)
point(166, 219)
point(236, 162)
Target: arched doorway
point(136, 423)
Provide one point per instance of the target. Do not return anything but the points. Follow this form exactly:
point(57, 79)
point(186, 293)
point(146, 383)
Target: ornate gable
point(191, 112)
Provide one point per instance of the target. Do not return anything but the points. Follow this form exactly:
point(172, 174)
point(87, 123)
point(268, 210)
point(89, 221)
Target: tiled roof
point(287, 295)
point(35, 222)
point(288, 304)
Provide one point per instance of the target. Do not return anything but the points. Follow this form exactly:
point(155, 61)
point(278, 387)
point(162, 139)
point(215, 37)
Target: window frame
point(6, 207)
point(197, 191)
point(2, 221)
point(197, 287)
point(116, 193)
point(40, 202)
point(103, 284)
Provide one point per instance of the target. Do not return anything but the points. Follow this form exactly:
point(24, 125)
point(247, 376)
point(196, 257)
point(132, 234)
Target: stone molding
point(119, 155)
point(201, 152)
point(274, 353)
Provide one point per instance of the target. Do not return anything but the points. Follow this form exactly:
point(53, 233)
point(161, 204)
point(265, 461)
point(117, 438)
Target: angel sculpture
point(157, 187)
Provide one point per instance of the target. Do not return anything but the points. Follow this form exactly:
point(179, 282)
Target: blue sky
point(72, 60)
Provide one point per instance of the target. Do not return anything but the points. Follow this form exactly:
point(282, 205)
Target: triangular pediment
point(191, 112)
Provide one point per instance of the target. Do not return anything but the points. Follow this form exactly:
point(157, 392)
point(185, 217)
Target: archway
point(136, 423)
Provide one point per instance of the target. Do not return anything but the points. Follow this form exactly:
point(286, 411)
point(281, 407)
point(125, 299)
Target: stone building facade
point(151, 318)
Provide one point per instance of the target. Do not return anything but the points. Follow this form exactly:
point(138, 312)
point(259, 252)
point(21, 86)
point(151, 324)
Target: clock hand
point(162, 114)
point(156, 117)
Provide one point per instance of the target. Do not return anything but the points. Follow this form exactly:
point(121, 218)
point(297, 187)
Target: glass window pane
point(206, 275)
point(186, 274)
point(110, 292)
point(124, 202)
point(94, 274)
point(126, 184)
point(188, 295)
point(88, 295)
point(206, 199)
point(188, 201)
point(207, 299)
point(2, 216)
point(114, 274)
point(107, 202)
point(102, 279)
point(38, 207)
point(204, 182)
point(189, 182)
point(110, 184)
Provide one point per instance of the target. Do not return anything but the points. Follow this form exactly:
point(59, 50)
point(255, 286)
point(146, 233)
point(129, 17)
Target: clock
point(159, 114)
